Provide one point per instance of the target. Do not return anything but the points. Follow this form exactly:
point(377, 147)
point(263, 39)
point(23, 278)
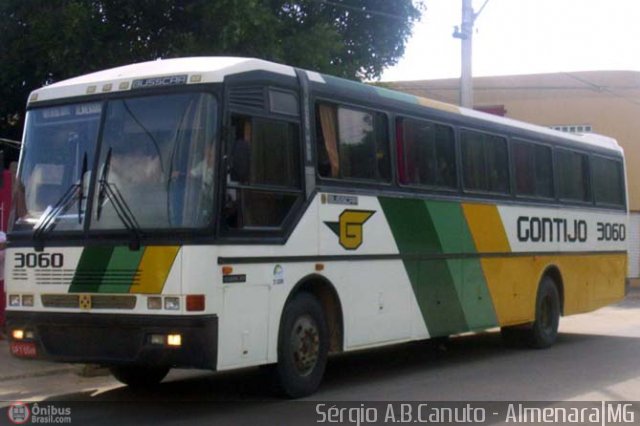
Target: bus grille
point(97, 301)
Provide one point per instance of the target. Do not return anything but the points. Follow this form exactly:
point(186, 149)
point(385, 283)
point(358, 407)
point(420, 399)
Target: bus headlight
point(174, 340)
point(157, 339)
point(14, 300)
point(172, 303)
point(27, 300)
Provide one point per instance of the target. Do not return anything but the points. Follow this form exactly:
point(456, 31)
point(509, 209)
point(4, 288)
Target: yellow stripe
point(154, 269)
point(590, 281)
point(510, 296)
point(486, 228)
point(430, 103)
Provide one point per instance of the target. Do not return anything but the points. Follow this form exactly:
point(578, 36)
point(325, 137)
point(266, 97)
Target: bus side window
point(485, 162)
point(263, 173)
point(532, 167)
point(429, 153)
point(608, 181)
point(352, 144)
point(572, 169)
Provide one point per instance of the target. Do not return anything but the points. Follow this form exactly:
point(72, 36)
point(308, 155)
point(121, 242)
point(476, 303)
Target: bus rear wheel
point(138, 377)
point(544, 330)
point(303, 346)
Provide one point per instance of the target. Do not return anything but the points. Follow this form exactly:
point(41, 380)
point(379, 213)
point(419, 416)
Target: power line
point(599, 88)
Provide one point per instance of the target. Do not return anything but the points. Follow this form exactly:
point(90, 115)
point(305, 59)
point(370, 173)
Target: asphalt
point(12, 368)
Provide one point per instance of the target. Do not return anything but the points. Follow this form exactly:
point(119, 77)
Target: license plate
point(23, 349)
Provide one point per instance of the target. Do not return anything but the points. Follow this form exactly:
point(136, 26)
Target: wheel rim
point(305, 345)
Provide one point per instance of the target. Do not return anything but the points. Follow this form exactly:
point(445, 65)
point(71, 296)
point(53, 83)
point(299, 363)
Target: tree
point(43, 41)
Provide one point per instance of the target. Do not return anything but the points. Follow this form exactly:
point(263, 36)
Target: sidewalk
point(12, 368)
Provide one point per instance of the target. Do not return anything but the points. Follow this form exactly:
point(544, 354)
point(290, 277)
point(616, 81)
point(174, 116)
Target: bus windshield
point(154, 170)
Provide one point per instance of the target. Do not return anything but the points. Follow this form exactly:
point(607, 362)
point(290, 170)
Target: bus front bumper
point(115, 339)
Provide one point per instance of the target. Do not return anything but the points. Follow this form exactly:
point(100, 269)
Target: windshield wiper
point(47, 220)
point(103, 184)
point(81, 196)
point(110, 191)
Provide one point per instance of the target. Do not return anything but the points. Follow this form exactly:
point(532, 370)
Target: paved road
point(596, 358)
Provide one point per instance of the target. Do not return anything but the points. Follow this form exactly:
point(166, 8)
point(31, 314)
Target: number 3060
point(39, 260)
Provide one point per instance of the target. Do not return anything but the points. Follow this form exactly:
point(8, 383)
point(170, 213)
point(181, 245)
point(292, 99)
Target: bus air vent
point(247, 97)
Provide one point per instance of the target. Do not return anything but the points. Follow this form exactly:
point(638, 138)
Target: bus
point(219, 213)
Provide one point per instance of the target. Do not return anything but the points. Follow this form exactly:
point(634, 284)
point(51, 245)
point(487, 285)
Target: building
point(604, 102)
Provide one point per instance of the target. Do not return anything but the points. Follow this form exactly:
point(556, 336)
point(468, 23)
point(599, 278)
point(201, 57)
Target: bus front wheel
point(138, 376)
point(303, 345)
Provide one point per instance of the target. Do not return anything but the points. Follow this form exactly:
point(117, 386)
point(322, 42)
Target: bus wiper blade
point(104, 175)
point(123, 212)
point(81, 196)
point(46, 222)
point(111, 192)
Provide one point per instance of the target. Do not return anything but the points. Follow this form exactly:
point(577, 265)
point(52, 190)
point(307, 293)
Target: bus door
point(261, 201)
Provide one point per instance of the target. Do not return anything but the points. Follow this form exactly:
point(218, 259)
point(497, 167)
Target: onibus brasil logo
point(349, 227)
point(19, 413)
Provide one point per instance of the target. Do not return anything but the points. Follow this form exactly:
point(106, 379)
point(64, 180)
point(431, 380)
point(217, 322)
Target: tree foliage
point(43, 41)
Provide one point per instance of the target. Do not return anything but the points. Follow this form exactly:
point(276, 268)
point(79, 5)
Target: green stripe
point(432, 281)
point(470, 284)
point(121, 270)
point(93, 262)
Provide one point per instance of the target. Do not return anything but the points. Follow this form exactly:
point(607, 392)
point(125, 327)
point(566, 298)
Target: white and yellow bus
point(220, 213)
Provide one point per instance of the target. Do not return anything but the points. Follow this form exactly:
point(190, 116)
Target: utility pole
point(465, 34)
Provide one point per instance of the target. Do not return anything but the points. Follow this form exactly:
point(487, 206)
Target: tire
point(303, 346)
point(138, 377)
point(544, 330)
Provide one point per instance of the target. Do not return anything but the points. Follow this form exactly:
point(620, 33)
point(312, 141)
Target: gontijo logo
point(349, 228)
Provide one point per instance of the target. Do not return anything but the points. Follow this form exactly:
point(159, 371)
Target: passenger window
point(572, 169)
point(428, 153)
point(484, 162)
point(608, 183)
point(352, 144)
point(533, 169)
point(263, 172)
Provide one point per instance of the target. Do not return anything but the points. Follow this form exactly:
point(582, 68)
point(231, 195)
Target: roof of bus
point(197, 70)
